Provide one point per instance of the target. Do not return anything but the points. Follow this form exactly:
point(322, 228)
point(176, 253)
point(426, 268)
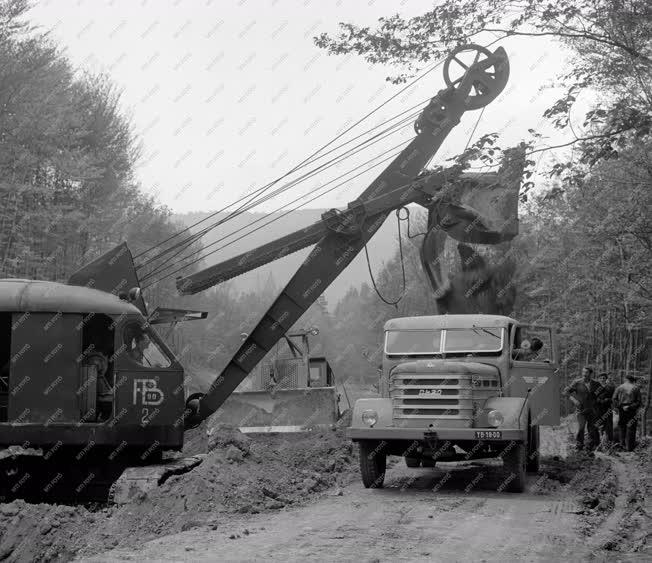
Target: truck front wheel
point(514, 463)
point(373, 462)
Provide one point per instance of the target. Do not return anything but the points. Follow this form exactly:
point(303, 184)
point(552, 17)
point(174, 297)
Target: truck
point(459, 387)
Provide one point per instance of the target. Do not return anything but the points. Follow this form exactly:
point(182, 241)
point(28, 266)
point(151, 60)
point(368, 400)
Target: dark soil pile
point(240, 474)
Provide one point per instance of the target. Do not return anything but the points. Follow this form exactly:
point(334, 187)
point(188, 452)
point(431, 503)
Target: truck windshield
point(428, 342)
point(406, 342)
point(476, 339)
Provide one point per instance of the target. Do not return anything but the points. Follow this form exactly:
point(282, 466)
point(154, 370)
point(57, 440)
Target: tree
point(610, 42)
point(585, 259)
point(67, 156)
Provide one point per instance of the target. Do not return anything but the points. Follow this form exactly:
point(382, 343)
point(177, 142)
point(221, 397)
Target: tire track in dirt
point(626, 477)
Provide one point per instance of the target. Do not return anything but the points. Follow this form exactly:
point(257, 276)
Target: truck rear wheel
point(412, 462)
point(533, 450)
point(373, 462)
point(514, 462)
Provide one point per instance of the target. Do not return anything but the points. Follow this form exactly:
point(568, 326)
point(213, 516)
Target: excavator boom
point(343, 237)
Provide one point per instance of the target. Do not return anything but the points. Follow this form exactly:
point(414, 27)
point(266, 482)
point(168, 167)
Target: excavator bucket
point(287, 395)
point(484, 211)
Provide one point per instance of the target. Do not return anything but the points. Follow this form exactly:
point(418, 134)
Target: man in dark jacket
point(582, 392)
point(627, 401)
point(604, 411)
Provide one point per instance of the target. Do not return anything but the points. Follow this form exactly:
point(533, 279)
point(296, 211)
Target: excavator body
point(85, 378)
point(96, 409)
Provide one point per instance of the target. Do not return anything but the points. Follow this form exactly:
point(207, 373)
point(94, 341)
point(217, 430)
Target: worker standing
point(605, 411)
point(627, 401)
point(582, 392)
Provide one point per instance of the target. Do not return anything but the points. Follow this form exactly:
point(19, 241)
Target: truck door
point(534, 368)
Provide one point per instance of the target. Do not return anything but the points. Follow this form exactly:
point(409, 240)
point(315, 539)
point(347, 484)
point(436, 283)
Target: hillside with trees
point(67, 158)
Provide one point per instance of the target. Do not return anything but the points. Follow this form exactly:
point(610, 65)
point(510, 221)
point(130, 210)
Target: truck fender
point(382, 406)
point(514, 410)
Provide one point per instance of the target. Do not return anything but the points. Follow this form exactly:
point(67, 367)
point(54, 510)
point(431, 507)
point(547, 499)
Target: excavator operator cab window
point(142, 349)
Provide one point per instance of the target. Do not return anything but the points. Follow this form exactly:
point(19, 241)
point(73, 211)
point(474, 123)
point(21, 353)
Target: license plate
point(488, 434)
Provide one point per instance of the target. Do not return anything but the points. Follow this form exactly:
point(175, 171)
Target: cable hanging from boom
point(400, 250)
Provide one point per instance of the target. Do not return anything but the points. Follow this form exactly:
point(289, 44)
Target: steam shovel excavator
point(99, 427)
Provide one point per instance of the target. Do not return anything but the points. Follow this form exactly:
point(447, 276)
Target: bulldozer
point(94, 398)
point(291, 392)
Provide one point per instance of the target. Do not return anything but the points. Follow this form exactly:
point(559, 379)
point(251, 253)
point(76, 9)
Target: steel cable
point(305, 161)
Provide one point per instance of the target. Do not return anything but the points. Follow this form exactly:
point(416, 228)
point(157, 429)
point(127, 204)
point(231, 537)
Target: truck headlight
point(369, 417)
point(495, 418)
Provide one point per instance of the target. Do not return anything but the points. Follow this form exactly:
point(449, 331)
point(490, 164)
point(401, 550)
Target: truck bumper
point(426, 434)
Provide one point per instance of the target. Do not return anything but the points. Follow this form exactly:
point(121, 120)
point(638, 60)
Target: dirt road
point(422, 514)
point(301, 499)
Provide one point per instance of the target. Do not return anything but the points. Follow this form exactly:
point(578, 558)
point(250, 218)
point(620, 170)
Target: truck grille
point(423, 398)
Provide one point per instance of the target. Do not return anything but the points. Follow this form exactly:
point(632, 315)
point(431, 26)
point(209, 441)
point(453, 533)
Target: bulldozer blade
point(283, 410)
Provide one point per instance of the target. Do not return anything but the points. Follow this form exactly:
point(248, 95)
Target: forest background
point(582, 261)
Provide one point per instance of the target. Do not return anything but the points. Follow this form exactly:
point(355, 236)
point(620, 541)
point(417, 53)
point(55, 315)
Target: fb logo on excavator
point(149, 393)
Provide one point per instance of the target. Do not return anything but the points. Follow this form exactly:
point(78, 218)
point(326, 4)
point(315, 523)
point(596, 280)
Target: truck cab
point(459, 387)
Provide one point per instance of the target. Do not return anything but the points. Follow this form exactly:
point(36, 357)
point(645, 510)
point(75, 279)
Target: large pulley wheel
point(489, 73)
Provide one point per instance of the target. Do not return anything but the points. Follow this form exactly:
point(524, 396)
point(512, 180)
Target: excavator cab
point(83, 366)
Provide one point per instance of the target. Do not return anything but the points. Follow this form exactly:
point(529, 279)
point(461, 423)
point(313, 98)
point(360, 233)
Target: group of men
point(597, 401)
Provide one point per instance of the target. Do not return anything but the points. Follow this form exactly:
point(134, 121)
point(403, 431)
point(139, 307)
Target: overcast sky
point(227, 95)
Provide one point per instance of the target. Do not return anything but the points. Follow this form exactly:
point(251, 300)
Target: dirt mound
point(43, 532)
point(240, 474)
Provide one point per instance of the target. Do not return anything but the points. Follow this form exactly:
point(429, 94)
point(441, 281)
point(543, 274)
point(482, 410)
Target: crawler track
point(56, 480)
